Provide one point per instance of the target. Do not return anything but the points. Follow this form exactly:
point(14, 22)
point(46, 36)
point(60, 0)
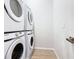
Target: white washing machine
point(29, 23)
point(14, 45)
point(13, 15)
point(29, 44)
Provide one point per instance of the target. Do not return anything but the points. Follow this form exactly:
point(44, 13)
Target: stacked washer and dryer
point(18, 30)
point(29, 25)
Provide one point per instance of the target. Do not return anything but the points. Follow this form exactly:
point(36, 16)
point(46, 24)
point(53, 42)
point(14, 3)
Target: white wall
point(53, 24)
point(42, 17)
point(63, 22)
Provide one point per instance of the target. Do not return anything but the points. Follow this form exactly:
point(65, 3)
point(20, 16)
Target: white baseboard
point(48, 49)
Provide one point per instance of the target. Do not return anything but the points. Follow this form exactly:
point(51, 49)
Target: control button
point(16, 34)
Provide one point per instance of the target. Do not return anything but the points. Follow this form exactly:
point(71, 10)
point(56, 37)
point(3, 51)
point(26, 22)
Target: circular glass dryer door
point(16, 50)
point(30, 18)
point(14, 9)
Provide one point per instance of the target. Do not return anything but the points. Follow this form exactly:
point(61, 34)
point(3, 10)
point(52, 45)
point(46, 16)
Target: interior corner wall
point(42, 16)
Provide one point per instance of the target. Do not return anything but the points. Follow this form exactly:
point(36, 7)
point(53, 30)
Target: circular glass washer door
point(16, 50)
point(31, 41)
point(15, 9)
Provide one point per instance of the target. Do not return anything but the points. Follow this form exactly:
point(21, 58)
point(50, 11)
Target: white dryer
point(29, 23)
point(14, 46)
point(29, 44)
point(13, 15)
